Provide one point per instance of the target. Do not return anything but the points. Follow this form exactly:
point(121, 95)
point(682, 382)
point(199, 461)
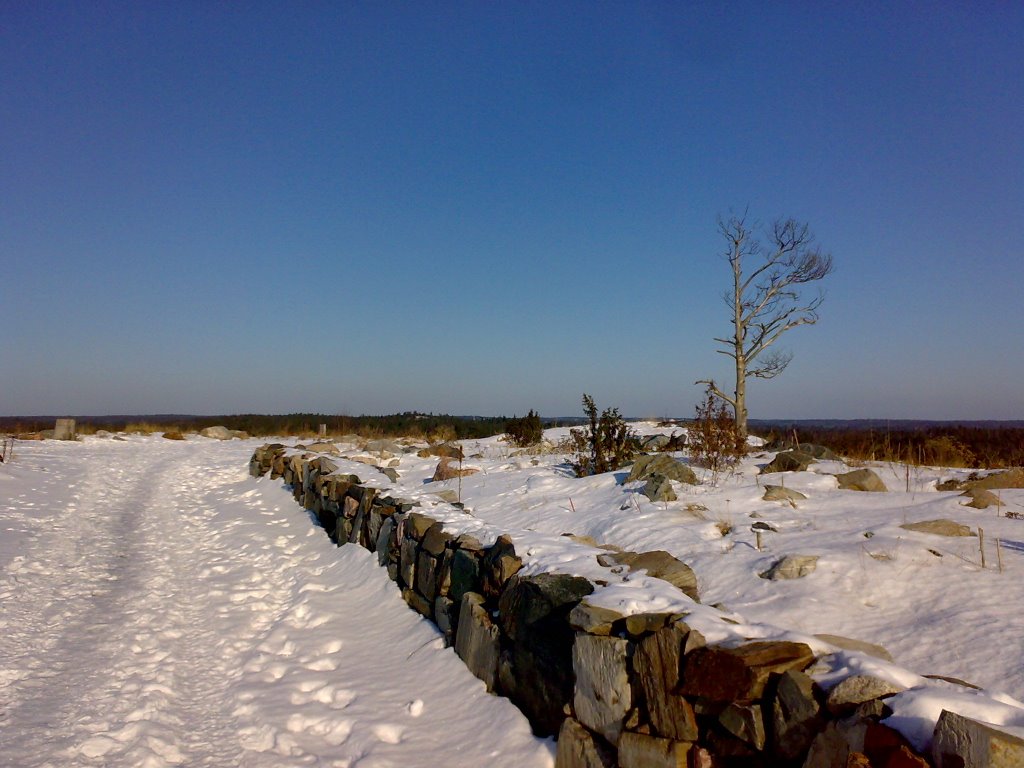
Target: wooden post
point(999, 554)
point(981, 545)
point(757, 534)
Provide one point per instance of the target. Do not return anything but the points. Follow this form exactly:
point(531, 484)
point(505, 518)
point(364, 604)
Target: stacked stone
point(630, 691)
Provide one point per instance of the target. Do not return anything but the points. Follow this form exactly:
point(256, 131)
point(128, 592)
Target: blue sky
point(490, 207)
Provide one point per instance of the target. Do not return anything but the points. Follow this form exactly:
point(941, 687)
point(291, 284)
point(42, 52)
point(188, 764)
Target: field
point(159, 568)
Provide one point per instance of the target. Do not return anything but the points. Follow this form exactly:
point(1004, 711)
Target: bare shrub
point(715, 441)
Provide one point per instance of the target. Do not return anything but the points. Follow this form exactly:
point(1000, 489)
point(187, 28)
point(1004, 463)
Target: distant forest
point(408, 424)
point(980, 444)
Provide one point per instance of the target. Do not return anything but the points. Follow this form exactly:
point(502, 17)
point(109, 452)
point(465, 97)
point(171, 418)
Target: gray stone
point(745, 722)
point(498, 565)
point(477, 639)
point(390, 473)
point(418, 603)
point(939, 528)
point(661, 464)
point(603, 695)
point(980, 498)
point(216, 433)
point(426, 575)
point(791, 567)
point(465, 573)
point(407, 562)
point(387, 527)
point(659, 488)
point(850, 644)
point(383, 448)
point(960, 742)
point(861, 480)
point(659, 564)
point(781, 493)
point(436, 539)
point(593, 619)
point(830, 749)
point(789, 461)
point(657, 662)
point(577, 748)
point(796, 715)
point(850, 693)
point(1011, 478)
point(637, 750)
point(417, 524)
point(447, 618)
point(447, 494)
point(534, 615)
point(322, 447)
point(655, 443)
point(642, 624)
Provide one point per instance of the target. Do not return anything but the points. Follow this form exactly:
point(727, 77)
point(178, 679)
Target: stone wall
point(644, 690)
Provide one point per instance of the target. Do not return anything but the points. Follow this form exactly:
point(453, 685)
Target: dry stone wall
point(638, 691)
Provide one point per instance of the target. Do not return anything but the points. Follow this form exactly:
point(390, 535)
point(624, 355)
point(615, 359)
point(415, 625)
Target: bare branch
point(714, 388)
point(771, 365)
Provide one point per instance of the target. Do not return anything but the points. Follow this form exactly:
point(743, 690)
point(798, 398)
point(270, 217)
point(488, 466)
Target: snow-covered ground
point(158, 606)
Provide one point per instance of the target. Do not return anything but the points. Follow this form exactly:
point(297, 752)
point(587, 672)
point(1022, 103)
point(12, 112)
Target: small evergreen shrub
point(526, 430)
point(606, 445)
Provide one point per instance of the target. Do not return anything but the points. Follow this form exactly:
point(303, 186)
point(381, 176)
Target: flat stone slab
point(939, 528)
point(791, 567)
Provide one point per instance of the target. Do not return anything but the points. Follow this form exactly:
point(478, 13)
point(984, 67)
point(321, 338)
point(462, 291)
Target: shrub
point(526, 430)
point(606, 445)
point(714, 440)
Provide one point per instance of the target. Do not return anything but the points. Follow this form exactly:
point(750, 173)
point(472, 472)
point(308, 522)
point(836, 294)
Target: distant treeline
point(409, 424)
point(932, 444)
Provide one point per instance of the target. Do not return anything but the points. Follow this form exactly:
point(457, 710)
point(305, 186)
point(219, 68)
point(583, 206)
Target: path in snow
point(168, 610)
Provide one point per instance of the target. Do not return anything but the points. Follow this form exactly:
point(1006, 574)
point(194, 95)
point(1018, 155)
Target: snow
point(161, 607)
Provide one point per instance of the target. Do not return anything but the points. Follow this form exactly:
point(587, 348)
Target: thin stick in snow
point(981, 545)
point(999, 553)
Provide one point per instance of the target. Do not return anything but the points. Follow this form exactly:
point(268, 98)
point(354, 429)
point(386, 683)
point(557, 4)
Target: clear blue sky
point(489, 207)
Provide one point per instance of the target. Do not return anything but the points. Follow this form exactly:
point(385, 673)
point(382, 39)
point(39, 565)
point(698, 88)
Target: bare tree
point(765, 299)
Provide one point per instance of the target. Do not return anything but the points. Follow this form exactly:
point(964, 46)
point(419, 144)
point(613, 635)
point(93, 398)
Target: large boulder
point(861, 480)
point(441, 450)
point(960, 741)
point(659, 488)
point(1011, 478)
point(447, 470)
point(660, 565)
point(664, 465)
point(789, 461)
point(217, 433)
point(811, 449)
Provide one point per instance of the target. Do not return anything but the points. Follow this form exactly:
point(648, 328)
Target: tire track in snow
point(110, 607)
